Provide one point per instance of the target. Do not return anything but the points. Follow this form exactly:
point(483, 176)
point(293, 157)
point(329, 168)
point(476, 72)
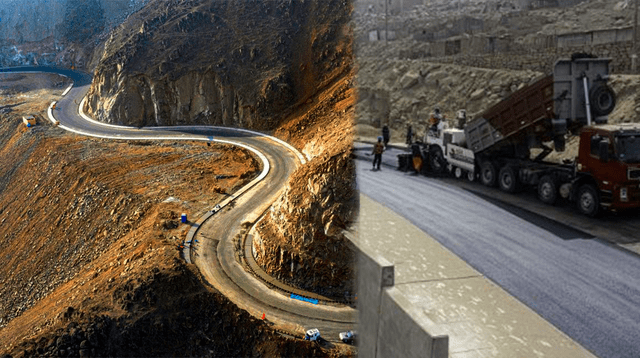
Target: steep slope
point(297, 81)
point(57, 32)
point(302, 238)
point(90, 236)
point(233, 63)
point(268, 65)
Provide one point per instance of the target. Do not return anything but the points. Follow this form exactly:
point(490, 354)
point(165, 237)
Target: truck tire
point(602, 100)
point(508, 179)
point(458, 173)
point(488, 174)
point(436, 160)
point(471, 176)
point(547, 190)
point(588, 201)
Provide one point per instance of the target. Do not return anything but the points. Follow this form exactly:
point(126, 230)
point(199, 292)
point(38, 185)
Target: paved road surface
point(587, 287)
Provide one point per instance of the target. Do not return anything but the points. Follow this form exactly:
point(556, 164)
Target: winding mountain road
point(570, 269)
point(215, 254)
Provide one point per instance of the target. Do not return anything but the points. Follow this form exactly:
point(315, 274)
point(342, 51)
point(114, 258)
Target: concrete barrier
point(388, 324)
point(418, 299)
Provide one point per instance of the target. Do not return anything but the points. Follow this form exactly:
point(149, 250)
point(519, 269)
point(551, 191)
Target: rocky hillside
point(232, 63)
point(302, 238)
point(405, 92)
point(269, 65)
point(57, 32)
point(402, 92)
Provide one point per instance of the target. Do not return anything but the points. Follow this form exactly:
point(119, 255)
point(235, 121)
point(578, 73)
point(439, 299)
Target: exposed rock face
point(235, 63)
point(57, 32)
point(35, 20)
point(302, 239)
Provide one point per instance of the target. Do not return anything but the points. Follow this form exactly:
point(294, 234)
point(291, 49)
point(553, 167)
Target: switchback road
point(215, 256)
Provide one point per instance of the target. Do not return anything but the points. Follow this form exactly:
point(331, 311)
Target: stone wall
point(542, 61)
point(538, 54)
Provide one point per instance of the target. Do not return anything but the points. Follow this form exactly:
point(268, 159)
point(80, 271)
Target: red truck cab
point(608, 168)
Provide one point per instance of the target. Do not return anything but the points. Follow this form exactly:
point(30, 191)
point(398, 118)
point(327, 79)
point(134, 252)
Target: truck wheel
point(488, 174)
point(471, 176)
point(436, 160)
point(602, 100)
point(588, 200)
point(508, 179)
point(547, 190)
point(458, 172)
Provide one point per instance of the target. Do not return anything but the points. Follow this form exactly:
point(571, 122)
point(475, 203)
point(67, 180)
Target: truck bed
point(525, 113)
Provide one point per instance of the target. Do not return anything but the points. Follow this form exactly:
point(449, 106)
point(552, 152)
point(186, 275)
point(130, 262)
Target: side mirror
point(603, 150)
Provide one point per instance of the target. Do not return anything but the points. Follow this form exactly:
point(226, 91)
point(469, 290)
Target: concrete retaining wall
point(388, 324)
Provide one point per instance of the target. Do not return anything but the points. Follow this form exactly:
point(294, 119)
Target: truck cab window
point(628, 148)
point(595, 142)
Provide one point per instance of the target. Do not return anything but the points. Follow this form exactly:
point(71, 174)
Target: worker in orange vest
point(377, 154)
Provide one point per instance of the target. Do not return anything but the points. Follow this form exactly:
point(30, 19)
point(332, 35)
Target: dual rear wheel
point(506, 178)
point(587, 198)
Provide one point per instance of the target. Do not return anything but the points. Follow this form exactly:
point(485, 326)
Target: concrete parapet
point(389, 325)
point(418, 299)
point(370, 287)
point(404, 330)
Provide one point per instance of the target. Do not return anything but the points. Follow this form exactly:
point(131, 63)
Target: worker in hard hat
point(378, 148)
point(435, 119)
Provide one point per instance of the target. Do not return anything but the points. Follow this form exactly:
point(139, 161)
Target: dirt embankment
point(232, 63)
point(91, 230)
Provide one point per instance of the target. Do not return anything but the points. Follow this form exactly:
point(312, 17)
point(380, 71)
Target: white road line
point(67, 90)
point(266, 166)
point(303, 160)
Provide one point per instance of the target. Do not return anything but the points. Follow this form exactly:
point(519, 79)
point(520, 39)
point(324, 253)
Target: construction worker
point(461, 119)
point(385, 135)
point(435, 119)
point(378, 148)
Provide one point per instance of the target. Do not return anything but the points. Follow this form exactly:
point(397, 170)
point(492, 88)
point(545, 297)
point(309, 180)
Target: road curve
point(215, 255)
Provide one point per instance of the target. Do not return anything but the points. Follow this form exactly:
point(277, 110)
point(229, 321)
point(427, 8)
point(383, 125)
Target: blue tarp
point(305, 299)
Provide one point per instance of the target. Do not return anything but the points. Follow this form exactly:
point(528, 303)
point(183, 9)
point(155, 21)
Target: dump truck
point(506, 145)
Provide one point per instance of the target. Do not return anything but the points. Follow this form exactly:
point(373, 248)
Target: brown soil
point(90, 235)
